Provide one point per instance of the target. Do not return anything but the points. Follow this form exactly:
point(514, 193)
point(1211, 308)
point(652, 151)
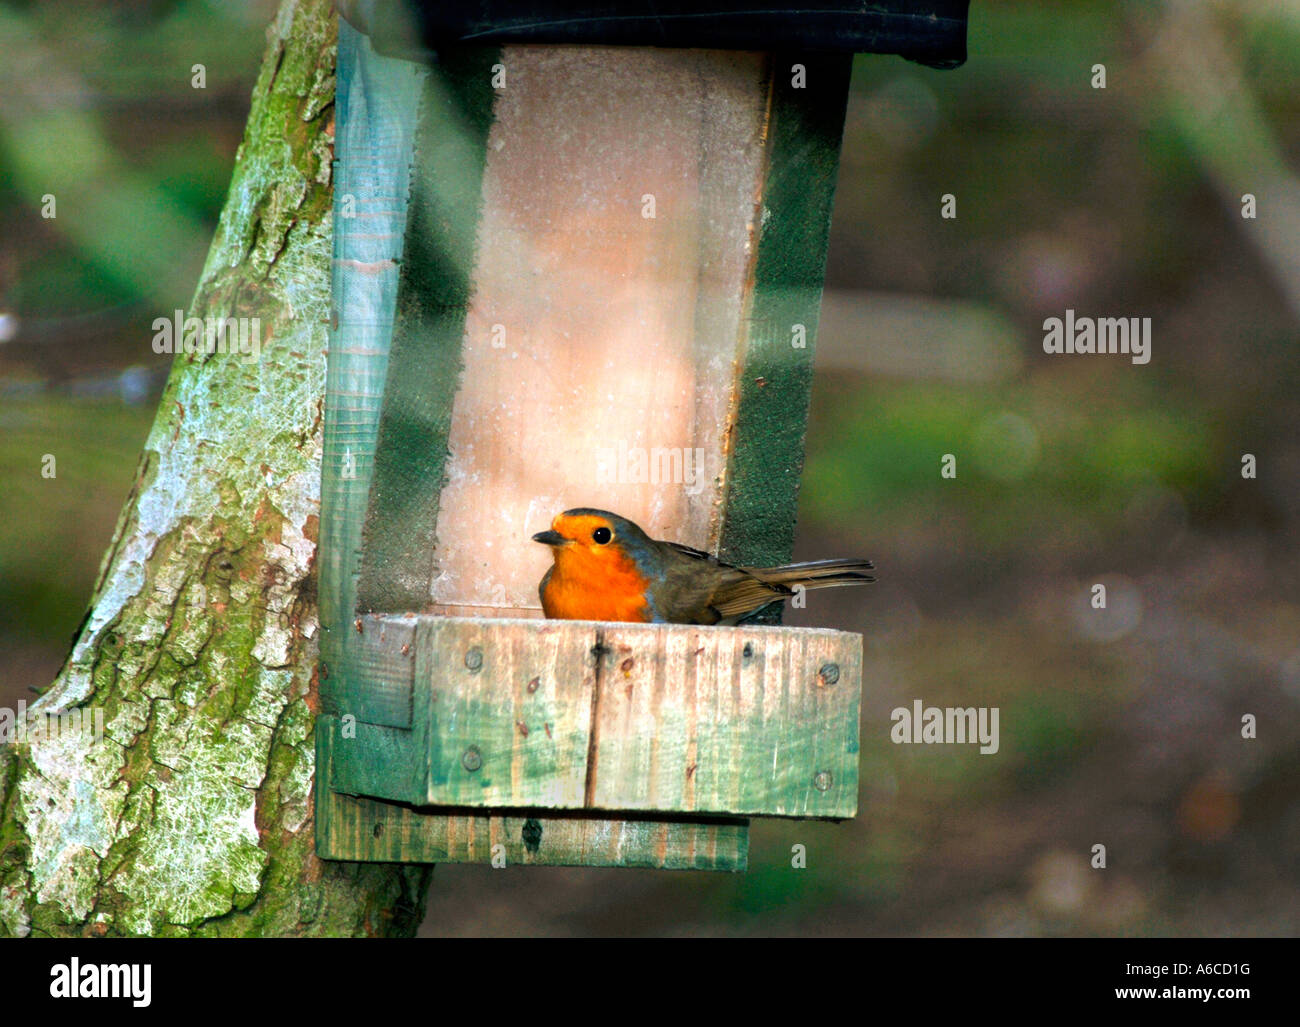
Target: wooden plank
point(377, 102)
point(508, 710)
point(686, 719)
point(369, 830)
point(382, 669)
point(383, 762)
point(751, 720)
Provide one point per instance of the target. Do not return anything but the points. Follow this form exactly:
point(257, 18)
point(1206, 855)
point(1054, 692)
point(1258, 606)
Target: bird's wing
point(699, 588)
point(704, 590)
point(747, 594)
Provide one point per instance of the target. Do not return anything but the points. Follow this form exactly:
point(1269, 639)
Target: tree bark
point(193, 814)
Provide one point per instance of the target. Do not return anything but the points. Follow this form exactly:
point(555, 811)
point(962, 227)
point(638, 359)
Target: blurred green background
point(1119, 726)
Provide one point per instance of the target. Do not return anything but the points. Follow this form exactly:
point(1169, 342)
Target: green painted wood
point(753, 721)
point(382, 655)
point(384, 762)
point(759, 721)
point(775, 384)
point(371, 830)
point(743, 721)
point(509, 710)
point(377, 101)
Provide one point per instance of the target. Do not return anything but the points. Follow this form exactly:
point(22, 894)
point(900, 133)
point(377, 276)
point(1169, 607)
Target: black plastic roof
point(931, 32)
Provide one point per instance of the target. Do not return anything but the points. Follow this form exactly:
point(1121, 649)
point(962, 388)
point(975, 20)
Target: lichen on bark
point(193, 815)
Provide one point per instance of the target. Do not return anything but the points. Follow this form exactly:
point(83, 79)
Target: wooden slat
point(377, 100)
point(735, 721)
point(383, 665)
point(370, 830)
point(742, 720)
point(383, 762)
point(509, 710)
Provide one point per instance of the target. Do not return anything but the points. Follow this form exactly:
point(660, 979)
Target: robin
point(606, 568)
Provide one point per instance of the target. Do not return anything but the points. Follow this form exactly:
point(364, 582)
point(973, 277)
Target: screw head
point(532, 834)
point(822, 780)
point(471, 759)
point(474, 660)
point(828, 674)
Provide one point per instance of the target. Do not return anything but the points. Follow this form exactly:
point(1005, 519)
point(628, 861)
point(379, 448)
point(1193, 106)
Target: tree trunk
point(193, 814)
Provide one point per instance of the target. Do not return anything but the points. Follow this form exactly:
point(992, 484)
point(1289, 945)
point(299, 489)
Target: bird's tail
point(747, 589)
point(817, 573)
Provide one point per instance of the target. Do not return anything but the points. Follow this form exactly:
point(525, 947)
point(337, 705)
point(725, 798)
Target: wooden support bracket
point(374, 830)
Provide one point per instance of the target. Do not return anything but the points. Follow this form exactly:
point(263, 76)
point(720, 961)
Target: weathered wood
point(509, 710)
point(371, 830)
point(754, 720)
point(384, 762)
point(380, 672)
point(378, 100)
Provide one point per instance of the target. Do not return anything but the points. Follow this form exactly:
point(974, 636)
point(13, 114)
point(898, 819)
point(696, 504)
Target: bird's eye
point(601, 536)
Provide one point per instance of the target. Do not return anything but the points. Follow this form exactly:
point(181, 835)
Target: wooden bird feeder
point(575, 274)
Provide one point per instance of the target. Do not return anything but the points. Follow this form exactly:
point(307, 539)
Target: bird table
point(568, 273)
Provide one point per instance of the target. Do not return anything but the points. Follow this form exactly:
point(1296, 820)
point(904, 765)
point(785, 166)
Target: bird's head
point(593, 535)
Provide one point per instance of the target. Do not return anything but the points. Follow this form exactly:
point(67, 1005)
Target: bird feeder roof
point(930, 32)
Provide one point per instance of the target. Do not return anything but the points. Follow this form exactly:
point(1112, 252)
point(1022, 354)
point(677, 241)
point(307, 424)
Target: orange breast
point(585, 588)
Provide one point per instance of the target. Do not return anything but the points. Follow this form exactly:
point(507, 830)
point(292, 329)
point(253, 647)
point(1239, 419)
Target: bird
point(606, 568)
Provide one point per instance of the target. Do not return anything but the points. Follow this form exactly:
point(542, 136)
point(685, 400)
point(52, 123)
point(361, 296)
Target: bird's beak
point(550, 538)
